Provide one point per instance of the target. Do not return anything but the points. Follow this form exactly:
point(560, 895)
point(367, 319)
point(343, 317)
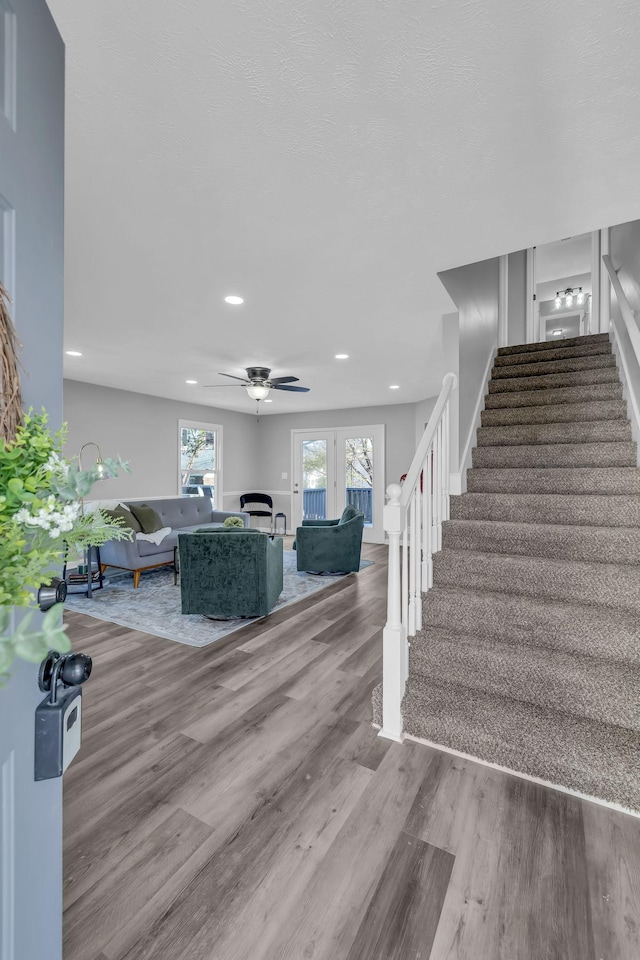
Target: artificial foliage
point(233, 522)
point(42, 517)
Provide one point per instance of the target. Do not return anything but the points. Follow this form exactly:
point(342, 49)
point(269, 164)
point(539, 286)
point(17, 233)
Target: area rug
point(155, 606)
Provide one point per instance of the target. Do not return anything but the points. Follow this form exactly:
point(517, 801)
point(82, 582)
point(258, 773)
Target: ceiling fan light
point(257, 391)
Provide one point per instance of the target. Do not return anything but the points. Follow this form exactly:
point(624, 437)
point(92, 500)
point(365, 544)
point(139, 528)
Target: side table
point(91, 585)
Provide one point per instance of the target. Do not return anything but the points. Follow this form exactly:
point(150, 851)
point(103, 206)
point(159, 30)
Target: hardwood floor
point(234, 803)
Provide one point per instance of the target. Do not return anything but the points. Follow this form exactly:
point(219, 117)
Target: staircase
point(529, 652)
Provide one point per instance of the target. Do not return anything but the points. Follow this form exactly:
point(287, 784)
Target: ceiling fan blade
point(284, 386)
point(243, 379)
point(275, 380)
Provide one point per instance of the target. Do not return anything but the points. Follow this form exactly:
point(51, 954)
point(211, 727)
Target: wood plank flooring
point(234, 803)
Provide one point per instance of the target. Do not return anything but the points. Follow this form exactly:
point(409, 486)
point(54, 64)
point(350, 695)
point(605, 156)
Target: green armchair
point(330, 546)
point(228, 573)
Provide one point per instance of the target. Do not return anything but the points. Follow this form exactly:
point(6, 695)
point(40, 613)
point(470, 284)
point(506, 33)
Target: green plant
point(233, 522)
point(41, 516)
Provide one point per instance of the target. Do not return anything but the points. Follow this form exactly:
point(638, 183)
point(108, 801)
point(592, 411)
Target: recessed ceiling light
point(268, 401)
point(191, 381)
point(394, 386)
point(234, 300)
point(73, 353)
point(342, 356)
point(557, 333)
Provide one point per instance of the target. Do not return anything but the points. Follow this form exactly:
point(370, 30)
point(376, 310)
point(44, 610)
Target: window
point(200, 459)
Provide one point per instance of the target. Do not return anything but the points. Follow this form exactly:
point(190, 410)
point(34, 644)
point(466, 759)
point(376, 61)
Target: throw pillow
point(147, 517)
point(348, 513)
point(123, 513)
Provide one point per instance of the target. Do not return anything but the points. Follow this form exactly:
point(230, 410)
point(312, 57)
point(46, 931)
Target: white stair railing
point(413, 518)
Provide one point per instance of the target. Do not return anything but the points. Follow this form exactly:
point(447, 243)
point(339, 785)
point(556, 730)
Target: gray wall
point(475, 291)
point(32, 183)
point(517, 296)
point(144, 430)
point(624, 250)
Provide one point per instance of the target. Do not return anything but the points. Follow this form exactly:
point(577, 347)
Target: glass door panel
point(314, 479)
point(313, 476)
point(358, 475)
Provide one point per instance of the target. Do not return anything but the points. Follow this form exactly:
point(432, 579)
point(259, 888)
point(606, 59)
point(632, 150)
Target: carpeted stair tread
point(576, 581)
point(587, 630)
point(596, 510)
point(618, 454)
point(541, 368)
point(546, 381)
point(597, 759)
point(582, 686)
point(560, 541)
point(586, 480)
point(556, 352)
point(587, 393)
point(597, 410)
point(553, 344)
point(583, 431)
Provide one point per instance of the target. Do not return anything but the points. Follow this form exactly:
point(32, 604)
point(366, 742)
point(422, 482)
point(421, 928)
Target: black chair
point(257, 498)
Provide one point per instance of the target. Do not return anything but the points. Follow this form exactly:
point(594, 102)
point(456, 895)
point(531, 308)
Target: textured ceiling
point(324, 160)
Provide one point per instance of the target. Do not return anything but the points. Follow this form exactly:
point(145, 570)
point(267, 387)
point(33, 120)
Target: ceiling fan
point(258, 383)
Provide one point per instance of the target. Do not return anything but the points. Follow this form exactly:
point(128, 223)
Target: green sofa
point(330, 546)
point(228, 573)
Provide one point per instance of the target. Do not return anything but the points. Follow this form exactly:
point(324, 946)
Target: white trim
point(503, 300)
point(596, 283)
point(524, 776)
point(465, 459)
point(605, 285)
point(530, 290)
point(216, 428)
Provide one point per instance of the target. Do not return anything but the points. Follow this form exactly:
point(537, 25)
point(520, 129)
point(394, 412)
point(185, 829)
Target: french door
point(333, 467)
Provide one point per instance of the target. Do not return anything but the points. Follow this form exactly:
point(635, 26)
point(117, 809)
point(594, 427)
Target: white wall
point(144, 430)
point(624, 250)
point(474, 289)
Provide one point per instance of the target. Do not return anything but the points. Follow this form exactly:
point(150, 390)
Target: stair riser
point(599, 431)
point(587, 631)
point(559, 353)
point(594, 759)
point(540, 369)
point(553, 380)
point(539, 398)
point(535, 577)
point(556, 413)
point(553, 345)
point(580, 480)
point(557, 455)
point(592, 511)
point(590, 544)
point(499, 670)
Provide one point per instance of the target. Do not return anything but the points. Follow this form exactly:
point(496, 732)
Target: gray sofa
point(183, 515)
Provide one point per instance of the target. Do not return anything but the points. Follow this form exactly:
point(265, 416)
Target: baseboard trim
point(525, 776)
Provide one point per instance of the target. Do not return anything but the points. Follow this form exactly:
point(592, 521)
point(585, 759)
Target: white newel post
point(393, 641)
